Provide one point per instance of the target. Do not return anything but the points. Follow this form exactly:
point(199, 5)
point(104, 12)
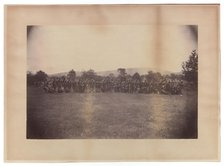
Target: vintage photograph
point(112, 82)
point(122, 82)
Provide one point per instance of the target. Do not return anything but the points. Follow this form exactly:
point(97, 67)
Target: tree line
point(89, 81)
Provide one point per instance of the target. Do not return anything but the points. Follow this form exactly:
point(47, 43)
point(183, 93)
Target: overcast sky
point(55, 49)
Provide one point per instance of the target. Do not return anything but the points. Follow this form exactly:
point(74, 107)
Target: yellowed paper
point(148, 30)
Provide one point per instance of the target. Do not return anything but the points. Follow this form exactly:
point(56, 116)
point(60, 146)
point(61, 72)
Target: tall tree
point(71, 75)
point(122, 74)
point(136, 77)
point(190, 68)
point(150, 76)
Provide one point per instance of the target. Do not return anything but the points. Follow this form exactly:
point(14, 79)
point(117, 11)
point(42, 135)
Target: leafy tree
point(175, 76)
point(89, 75)
point(157, 76)
point(122, 74)
point(150, 76)
point(136, 77)
point(153, 76)
point(172, 76)
point(40, 76)
point(190, 68)
point(111, 75)
point(72, 75)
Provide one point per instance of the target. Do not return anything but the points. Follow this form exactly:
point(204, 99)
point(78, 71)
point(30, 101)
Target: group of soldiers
point(65, 85)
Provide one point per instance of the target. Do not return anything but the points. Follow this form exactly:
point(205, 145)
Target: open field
point(110, 115)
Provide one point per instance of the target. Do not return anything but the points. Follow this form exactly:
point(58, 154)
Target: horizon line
point(97, 71)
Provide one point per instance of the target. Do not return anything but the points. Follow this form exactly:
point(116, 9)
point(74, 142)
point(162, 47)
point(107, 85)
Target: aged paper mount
point(206, 147)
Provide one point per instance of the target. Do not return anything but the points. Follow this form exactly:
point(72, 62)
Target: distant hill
point(78, 73)
point(130, 71)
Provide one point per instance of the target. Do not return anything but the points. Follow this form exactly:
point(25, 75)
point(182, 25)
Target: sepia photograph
point(134, 82)
point(112, 82)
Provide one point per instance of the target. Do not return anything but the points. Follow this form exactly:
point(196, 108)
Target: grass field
point(110, 115)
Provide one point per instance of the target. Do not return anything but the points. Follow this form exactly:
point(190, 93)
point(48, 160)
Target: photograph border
point(205, 148)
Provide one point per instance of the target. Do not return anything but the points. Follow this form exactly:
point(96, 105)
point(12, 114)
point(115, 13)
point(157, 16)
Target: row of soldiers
point(162, 86)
